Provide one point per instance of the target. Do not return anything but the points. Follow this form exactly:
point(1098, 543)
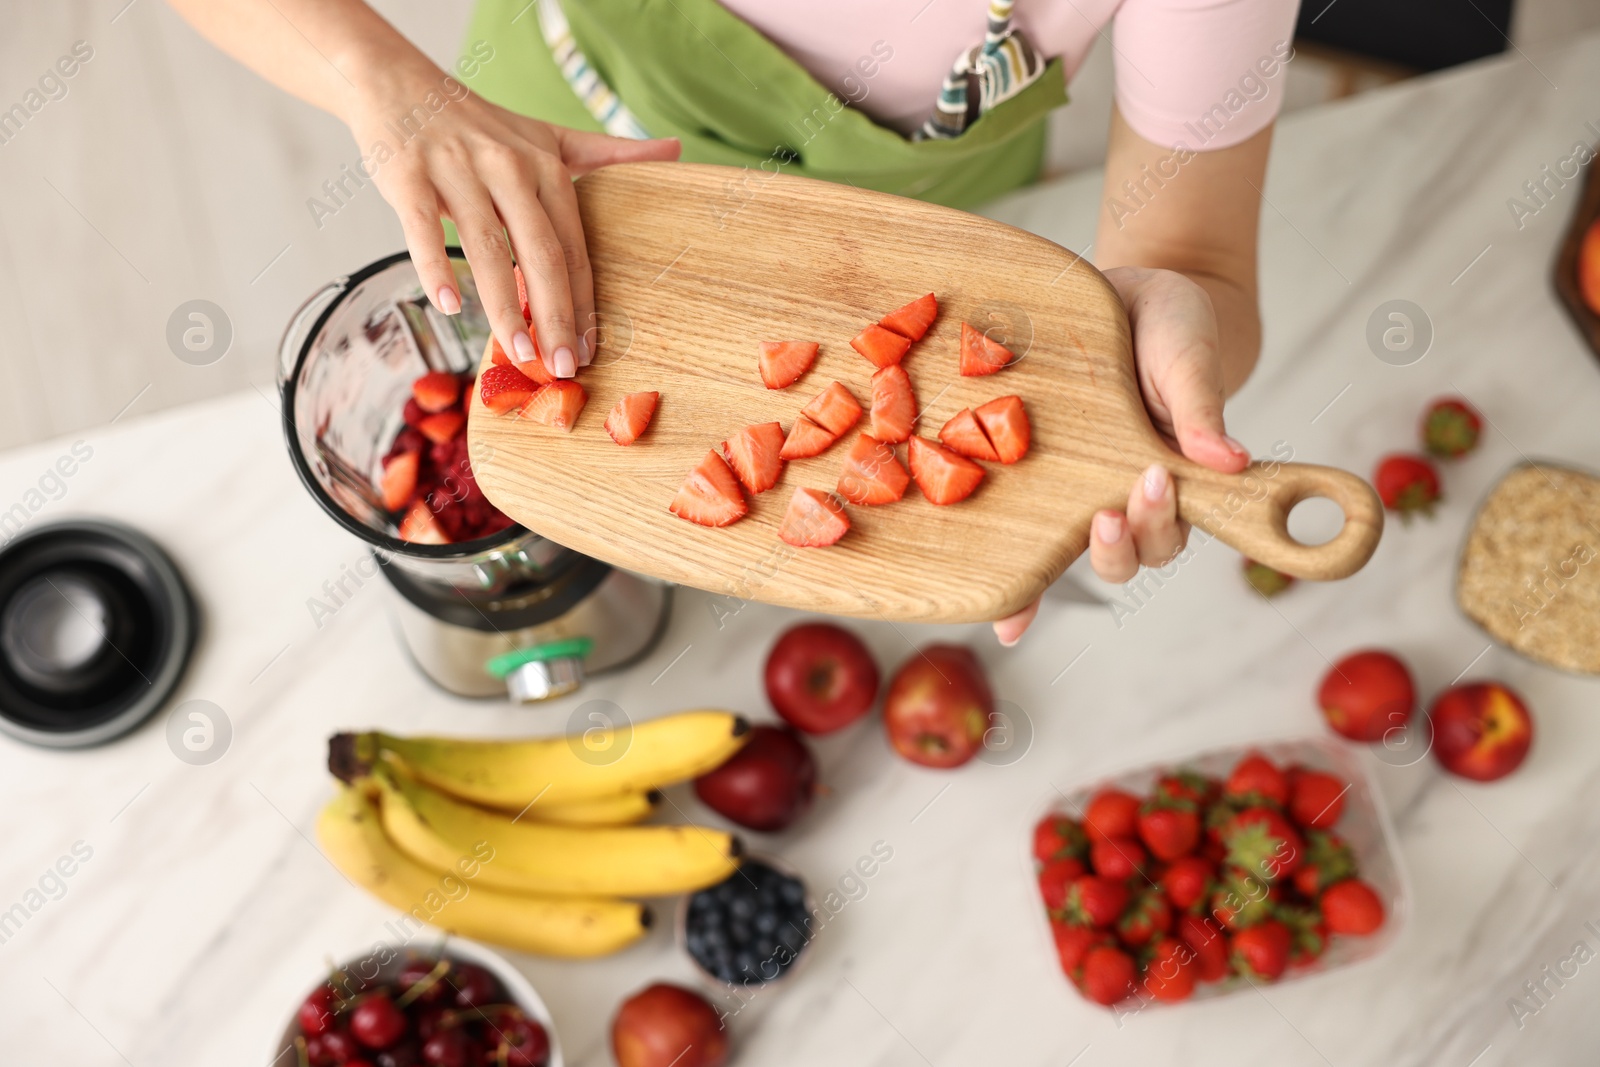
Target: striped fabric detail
point(1004, 64)
point(607, 108)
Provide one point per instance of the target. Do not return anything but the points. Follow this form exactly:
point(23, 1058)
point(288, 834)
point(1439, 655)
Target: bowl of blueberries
point(751, 929)
point(455, 1005)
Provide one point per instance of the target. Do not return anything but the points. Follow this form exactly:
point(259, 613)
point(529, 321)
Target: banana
point(512, 774)
point(652, 861)
point(352, 836)
point(624, 809)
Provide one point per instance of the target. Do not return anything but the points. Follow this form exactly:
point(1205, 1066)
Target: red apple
point(1366, 695)
point(939, 707)
point(766, 785)
point(821, 678)
point(1481, 730)
point(668, 1026)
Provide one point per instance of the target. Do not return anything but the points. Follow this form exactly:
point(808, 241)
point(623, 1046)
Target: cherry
point(376, 1022)
point(430, 1021)
point(404, 1054)
point(316, 1013)
point(331, 1049)
point(475, 986)
point(525, 1042)
point(446, 1048)
point(419, 972)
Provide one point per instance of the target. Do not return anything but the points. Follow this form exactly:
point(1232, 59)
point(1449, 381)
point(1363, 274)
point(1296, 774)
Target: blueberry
point(742, 908)
point(766, 922)
point(744, 961)
point(766, 947)
point(792, 938)
point(738, 932)
point(714, 937)
point(791, 891)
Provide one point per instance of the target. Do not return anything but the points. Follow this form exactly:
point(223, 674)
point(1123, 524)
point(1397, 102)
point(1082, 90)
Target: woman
point(840, 89)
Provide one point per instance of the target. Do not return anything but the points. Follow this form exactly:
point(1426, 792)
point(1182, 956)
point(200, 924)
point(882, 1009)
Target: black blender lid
point(96, 628)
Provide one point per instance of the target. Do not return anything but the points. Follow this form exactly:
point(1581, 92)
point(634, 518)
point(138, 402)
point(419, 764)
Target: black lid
point(96, 627)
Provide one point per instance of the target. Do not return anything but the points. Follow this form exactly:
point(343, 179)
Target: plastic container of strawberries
point(1364, 824)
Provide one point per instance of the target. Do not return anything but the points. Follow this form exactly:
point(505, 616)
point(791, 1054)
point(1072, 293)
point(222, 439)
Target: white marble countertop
point(205, 910)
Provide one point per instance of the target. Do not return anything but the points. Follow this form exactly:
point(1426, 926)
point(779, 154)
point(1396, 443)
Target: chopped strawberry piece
point(756, 455)
point(913, 320)
point(412, 413)
point(814, 520)
point(399, 480)
point(710, 494)
point(943, 476)
point(806, 438)
point(420, 527)
point(884, 347)
point(980, 355)
point(783, 362)
point(1006, 423)
point(497, 355)
point(834, 409)
point(556, 404)
point(436, 390)
point(872, 473)
point(534, 368)
point(522, 294)
point(443, 425)
point(504, 389)
point(964, 434)
point(894, 405)
point(630, 417)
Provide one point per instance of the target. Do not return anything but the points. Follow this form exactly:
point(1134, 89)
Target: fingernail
point(1009, 642)
point(449, 302)
point(1235, 446)
point(1156, 483)
point(565, 366)
point(585, 355)
point(1108, 528)
point(522, 347)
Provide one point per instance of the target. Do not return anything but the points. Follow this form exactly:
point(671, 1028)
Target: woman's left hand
point(1178, 360)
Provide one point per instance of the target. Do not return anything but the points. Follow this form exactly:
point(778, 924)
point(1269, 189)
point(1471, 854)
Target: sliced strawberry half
point(872, 473)
point(834, 409)
point(504, 389)
point(1006, 423)
point(913, 320)
point(420, 527)
point(783, 362)
point(964, 434)
point(894, 405)
point(710, 494)
point(814, 520)
point(884, 347)
point(630, 417)
point(497, 355)
point(436, 390)
point(806, 438)
point(442, 426)
point(556, 404)
point(943, 476)
point(980, 355)
point(398, 483)
point(522, 293)
point(756, 455)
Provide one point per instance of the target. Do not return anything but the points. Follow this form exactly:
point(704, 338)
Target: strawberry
point(1170, 973)
point(497, 355)
point(1262, 951)
point(522, 293)
point(504, 389)
point(1055, 878)
point(1188, 785)
point(1058, 837)
point(1308, 934)
point(806, 438)
point(1208, 943)
point(1407, 484)
point(1106, 975)
point(754, 455)
point(894, 405)
point(883, 347)
point(442, 426)
point(964, 435)
point(1450, 428)
point(1262, 841)
point(980, 355)
point(1256, 779)
point(1241, 899)
point(1095, 901)
point(1148, 917)
point(1328, 860)
point(784, 362)
point(631, 415)
point(834, 409)
point(913, 320)
point(1264, 580)
point(534, 368)
point(814, 520)
point(1006, 423)
point(1187, 881)
point(1118, 858)
point(556, 404)
point(1073, 941)
point(872, 474)
point(399, 481)
point(1351, 907)
point(412, 414)
point(943, 476)
point(1111, 813)
point(1169, 828)
point(420, 527)
point(1316, 799)
point(436, 391)
point(710, 494)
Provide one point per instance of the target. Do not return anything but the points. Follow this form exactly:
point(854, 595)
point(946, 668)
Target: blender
point(510, 613)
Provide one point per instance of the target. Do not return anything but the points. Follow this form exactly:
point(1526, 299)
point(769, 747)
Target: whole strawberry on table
point(1203, 880)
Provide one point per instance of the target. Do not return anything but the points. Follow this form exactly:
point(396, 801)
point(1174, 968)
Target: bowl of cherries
point(458, 1005)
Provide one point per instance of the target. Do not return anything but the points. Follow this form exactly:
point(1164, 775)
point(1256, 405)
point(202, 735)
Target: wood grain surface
point(695, 265)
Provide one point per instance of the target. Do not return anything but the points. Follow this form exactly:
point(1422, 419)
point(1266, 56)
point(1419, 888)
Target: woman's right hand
point(494, 173)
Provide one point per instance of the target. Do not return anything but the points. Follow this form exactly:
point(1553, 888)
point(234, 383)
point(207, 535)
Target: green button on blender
point(542, 672)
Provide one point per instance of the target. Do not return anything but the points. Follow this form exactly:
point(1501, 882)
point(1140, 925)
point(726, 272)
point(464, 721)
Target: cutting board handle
point(1250, 511)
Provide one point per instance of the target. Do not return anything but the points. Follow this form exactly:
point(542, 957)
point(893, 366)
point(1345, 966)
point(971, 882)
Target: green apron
point(691, 69)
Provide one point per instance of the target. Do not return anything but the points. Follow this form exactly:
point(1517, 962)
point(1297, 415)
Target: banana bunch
point(528, 843)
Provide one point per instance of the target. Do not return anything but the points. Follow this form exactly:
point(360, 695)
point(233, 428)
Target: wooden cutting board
point(695, 265)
